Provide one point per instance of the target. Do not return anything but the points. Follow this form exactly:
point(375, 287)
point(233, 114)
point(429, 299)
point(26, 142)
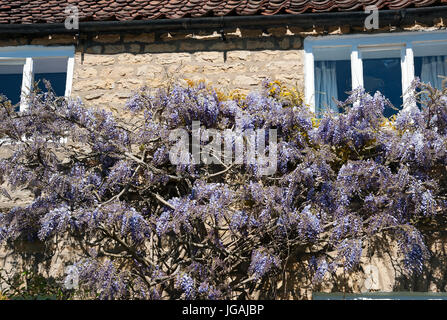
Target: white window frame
point(28, 54)
point(358, 44)
point(396, 295)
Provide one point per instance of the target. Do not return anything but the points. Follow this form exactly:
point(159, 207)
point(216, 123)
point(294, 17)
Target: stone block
point(260, 44)
point(135, 48)
point(113, 49)
point(54, 40)
point(94, 49)
point(251, 33)
point(98, 60)
point(297, 43)
point(149, 69)
point(277, 32)
point(238, 55)
point(192, 46)
point(170, 58)
point(160, 47)
point(211, 56)
point(107, 38)
point(220, 45)
point(122, 71)
point(244, 81)
point(143, 38)
point(86, 72)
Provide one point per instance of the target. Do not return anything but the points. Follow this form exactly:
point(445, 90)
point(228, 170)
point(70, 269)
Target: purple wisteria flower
point(262, 262)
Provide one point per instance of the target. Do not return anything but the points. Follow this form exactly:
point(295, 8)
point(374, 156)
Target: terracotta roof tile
point(52, 11)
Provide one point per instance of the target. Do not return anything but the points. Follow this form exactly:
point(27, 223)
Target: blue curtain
point(432, 68)
point(325, 85)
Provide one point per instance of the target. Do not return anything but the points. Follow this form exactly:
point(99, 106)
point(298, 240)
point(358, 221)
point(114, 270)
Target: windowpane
point(332, 80)
point(384, 75)
point(431, 69)
point(344, 81)
point(57, 81)
point(11, 81)
point(53, 70)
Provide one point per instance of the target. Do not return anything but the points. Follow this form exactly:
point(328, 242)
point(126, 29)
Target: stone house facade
point(121, 45)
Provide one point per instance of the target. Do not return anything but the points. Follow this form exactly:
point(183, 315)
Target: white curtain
point(325, 85)
point(432, 68)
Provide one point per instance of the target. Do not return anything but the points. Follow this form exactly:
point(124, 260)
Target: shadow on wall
point(434, 273)
point(392, 277)
point(35, 270)
point(190, 42)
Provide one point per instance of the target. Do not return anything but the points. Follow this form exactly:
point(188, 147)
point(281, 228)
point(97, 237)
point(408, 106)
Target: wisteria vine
point(153, 230)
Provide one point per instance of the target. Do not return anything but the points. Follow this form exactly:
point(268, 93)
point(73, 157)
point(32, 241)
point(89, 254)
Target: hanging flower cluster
point(218, 231)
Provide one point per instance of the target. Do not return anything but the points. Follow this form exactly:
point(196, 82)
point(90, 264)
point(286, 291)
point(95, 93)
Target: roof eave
point(397, 17)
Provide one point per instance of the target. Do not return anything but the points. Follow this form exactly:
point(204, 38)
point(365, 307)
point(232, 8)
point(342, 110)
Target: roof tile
point(52, 11)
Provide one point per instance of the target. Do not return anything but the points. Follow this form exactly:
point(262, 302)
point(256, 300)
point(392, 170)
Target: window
point(430, 64)
point(382, 72)
point(332, 76)
point(53, 70)
point(387, 63)
point(20, 67)
point(11, 77)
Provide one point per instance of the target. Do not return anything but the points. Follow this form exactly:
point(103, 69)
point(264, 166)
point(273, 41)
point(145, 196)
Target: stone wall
point(109, 67)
